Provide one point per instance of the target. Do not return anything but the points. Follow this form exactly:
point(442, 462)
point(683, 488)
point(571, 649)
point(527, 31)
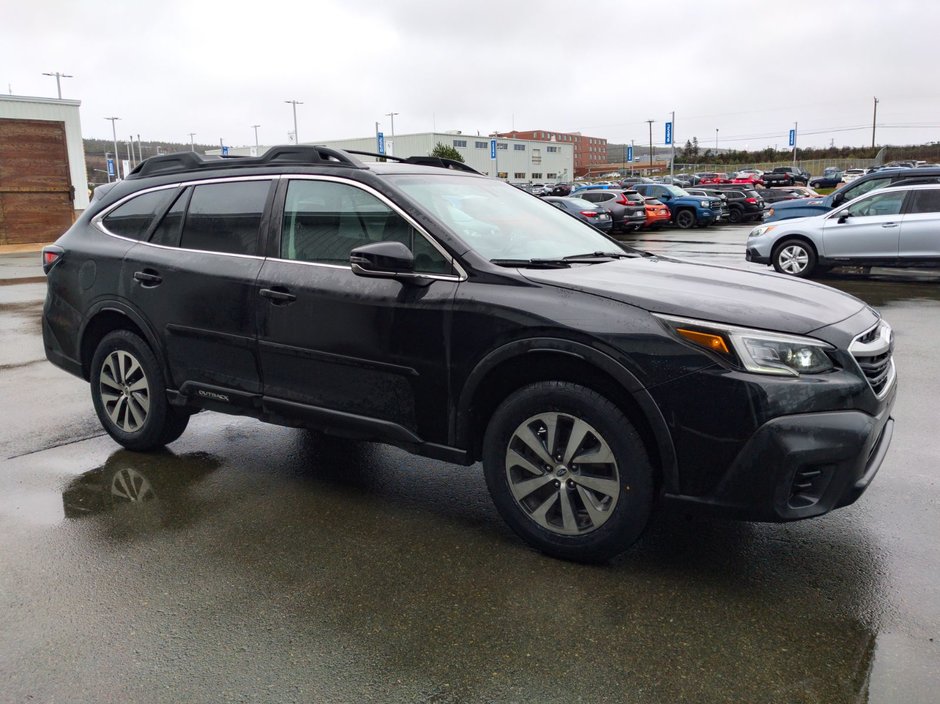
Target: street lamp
point(255, 128)
point(192, 142)
point(651, 144)
point(295, 103)
point(117, 171)
point(58, 83)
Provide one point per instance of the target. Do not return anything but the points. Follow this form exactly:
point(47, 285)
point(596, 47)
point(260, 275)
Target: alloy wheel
point(793, 259)
point(125, 391)
point(562, 473)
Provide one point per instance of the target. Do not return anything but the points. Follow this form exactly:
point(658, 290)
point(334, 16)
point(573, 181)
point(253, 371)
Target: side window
point(225, 217)
point(927, 201)
point(324, 221)
point(133, 219)
point(878, 204)
point(168, 231)
point(592, 197)
point(865, 187)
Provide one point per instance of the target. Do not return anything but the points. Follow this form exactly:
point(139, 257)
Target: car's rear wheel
point(129, 393)
point(735, 215)
point(568, 472)
point(685, 219)
point(795, 258)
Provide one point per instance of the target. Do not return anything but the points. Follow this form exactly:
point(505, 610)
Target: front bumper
point(752, 255)
point(800, 466)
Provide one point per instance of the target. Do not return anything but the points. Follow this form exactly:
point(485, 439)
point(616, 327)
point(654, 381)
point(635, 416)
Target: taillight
point(589, 213)
point(623, 200)
point(751, 200)
point(50, 255)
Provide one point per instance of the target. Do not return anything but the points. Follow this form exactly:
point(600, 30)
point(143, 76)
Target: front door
point(328, 339)
point(920, 231)
point(871, 230)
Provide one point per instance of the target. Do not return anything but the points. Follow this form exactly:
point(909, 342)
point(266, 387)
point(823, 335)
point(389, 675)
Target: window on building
point(519, 174)
point(481, 145)
point(519, 147)
point(551, 175)
point(536, 175)
point(551, 149)
point(225, 217)
point(502, 174)
point(502, 145)
point(460, 143)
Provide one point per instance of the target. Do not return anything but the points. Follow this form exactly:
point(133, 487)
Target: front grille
point(872, 351)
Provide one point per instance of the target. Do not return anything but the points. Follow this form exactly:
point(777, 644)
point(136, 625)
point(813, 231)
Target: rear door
point(920, 230)
point(872, 230)
point(194, 281)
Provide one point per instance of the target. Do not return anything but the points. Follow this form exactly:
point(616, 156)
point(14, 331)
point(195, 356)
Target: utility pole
point(672, 164)
point(632, 149)
point(192, 141)
point(295, 103)
point(795, 134)
point(117, 171)
point(255, 128)
point(392, 116)
point(874, 117)
point(716, 142)
point(58, 82)
point(650, 122)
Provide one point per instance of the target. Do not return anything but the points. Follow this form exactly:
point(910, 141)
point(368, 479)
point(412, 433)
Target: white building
point(517, 160)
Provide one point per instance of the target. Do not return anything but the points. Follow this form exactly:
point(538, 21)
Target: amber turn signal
point(715, 343)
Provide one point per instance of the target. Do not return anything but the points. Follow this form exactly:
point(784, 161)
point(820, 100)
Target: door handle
point(889, 224)
point(278, 295)
point(147, 278)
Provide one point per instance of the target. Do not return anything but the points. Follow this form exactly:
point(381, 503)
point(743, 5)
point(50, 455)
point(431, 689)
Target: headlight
point(704, 203)
point(756, 351)
point(762, 229)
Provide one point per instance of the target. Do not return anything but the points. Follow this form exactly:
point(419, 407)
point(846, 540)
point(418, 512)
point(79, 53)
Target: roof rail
point(290, 153)
point(440, 162)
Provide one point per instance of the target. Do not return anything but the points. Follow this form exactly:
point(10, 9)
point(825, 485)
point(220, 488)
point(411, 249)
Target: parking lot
point(273, 564)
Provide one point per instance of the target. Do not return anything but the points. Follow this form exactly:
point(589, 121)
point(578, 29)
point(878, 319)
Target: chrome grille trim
point(873, 353)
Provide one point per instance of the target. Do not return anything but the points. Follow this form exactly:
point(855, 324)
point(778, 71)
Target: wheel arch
point(106, 317)
point(518, 364)
point(805, 239)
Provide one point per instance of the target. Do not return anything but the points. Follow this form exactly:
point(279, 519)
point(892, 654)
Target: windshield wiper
point(534, 263)
point(600, 255)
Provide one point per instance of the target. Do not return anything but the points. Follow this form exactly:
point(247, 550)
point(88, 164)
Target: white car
point(894, 227)
point(850, 175)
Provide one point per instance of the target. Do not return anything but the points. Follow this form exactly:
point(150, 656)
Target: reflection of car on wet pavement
point(130, 478)
point(462, 319)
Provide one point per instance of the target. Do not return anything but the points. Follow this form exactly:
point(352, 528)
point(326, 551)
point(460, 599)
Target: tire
point(582, 511)
point(128, 392)
point(794, 258)
point(736, 215)
point(685, 219)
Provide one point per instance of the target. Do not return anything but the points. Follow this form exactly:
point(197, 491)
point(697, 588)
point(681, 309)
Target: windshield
point(676, 191)
point(501, 222)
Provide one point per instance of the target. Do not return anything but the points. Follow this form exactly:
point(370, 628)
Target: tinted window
point(878, 204)
point(168, 231)
point(134, 217)
point(863, 187)
point(926, 201)
point(225, 217)
point(324, 221)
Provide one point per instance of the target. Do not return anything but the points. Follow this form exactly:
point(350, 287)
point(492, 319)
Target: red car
point(750, 178)
point(714, 178)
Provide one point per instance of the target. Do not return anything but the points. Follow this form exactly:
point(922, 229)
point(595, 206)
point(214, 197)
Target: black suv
point(627, 215)
point(463, 319)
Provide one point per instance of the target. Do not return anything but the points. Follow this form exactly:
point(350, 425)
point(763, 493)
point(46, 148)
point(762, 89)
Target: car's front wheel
point(685, 219)
point(794, 257)
point(129, 393)
point(568, 472)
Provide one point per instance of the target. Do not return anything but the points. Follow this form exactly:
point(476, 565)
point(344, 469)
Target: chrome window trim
point(97, 220)
point(461, 273)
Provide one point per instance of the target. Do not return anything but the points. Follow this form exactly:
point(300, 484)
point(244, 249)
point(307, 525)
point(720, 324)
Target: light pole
point(58, 83)
point(295, 103)
point(392, 116)
point(117, 171)
point(255, 128)
point(795, 125)
point(672, 164)
point(192, 141)
point(874, 117)
point(716, 142)
point(650, 122)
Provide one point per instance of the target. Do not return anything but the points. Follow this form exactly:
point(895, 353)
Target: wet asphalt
point(269, 564)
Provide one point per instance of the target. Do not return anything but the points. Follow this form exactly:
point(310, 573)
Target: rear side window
point(168, 231)
point(225, 217)
point(926, 201)
point(134, 218)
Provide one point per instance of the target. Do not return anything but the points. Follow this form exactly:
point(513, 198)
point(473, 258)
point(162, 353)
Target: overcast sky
point(749, 69)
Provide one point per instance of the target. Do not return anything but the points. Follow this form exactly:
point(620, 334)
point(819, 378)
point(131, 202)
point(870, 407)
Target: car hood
point(705, 292)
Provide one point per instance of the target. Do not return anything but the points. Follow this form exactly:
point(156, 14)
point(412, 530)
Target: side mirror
point(387, 260)
point(665, 196)
point(843, 216)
